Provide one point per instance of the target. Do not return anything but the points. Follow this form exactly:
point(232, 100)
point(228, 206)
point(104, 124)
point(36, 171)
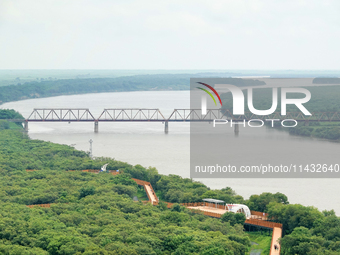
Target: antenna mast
point(90, 141)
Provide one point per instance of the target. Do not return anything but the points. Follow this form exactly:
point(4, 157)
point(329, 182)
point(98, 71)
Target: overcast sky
point(169, 34)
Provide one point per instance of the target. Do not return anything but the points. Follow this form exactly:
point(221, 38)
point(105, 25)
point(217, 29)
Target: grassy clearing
point(141, 194)
point(263, 240)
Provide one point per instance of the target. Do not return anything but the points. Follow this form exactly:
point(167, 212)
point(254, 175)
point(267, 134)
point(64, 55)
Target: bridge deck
point(152, 196)
point(148, 189)
point(208, 209)
point(277, 233)
point(155, 115)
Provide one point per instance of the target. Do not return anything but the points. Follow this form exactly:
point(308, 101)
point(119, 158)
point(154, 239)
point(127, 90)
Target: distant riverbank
point(50, 88)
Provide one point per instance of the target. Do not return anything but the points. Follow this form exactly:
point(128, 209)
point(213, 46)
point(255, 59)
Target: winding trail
point(257, 218)
point(277, 233)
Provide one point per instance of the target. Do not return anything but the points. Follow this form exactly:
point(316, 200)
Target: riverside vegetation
point(95, 213)
point(49, 88)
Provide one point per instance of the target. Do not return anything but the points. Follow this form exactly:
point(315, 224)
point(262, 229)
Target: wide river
point(146, 143)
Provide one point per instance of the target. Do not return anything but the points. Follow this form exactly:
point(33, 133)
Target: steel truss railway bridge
point(155, 115)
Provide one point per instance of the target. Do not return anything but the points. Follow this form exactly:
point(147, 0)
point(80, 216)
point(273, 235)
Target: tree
point(300, 241)
point(233, 218)
point(86, 191)
point(292, 216)
point(260, 202)
point(4, 124)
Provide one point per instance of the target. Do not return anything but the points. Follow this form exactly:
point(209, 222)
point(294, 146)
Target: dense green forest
point(9, 114)
point(95, 213)
point(308, 231)
point(324, 99)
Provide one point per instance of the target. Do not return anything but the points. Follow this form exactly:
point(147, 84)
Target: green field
point(261, 242)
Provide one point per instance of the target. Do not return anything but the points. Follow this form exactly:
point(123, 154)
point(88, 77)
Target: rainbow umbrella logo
point(204, 99)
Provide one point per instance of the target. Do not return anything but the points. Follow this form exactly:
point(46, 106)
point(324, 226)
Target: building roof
point(239, 208)
point(211, 200)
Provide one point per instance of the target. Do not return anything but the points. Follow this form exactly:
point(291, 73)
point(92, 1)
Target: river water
point(146, 143)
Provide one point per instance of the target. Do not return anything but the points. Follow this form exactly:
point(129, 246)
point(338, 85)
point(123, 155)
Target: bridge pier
point(96, 126)
point(166, 127)
point(306, 123)
point(236, 129)
point(26, 126)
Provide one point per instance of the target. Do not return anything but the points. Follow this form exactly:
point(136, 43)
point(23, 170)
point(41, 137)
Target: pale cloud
point(178, 34)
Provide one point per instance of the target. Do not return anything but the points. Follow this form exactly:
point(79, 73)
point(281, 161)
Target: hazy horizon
point(176, 35)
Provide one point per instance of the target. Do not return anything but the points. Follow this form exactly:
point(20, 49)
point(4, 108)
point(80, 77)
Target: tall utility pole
point(90, 141)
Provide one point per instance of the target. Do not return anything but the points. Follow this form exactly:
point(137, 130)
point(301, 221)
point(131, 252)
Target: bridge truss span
point(298, 116)
point(196, 115)
point(177, 115)
point(133, 114)
point(61, 114)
